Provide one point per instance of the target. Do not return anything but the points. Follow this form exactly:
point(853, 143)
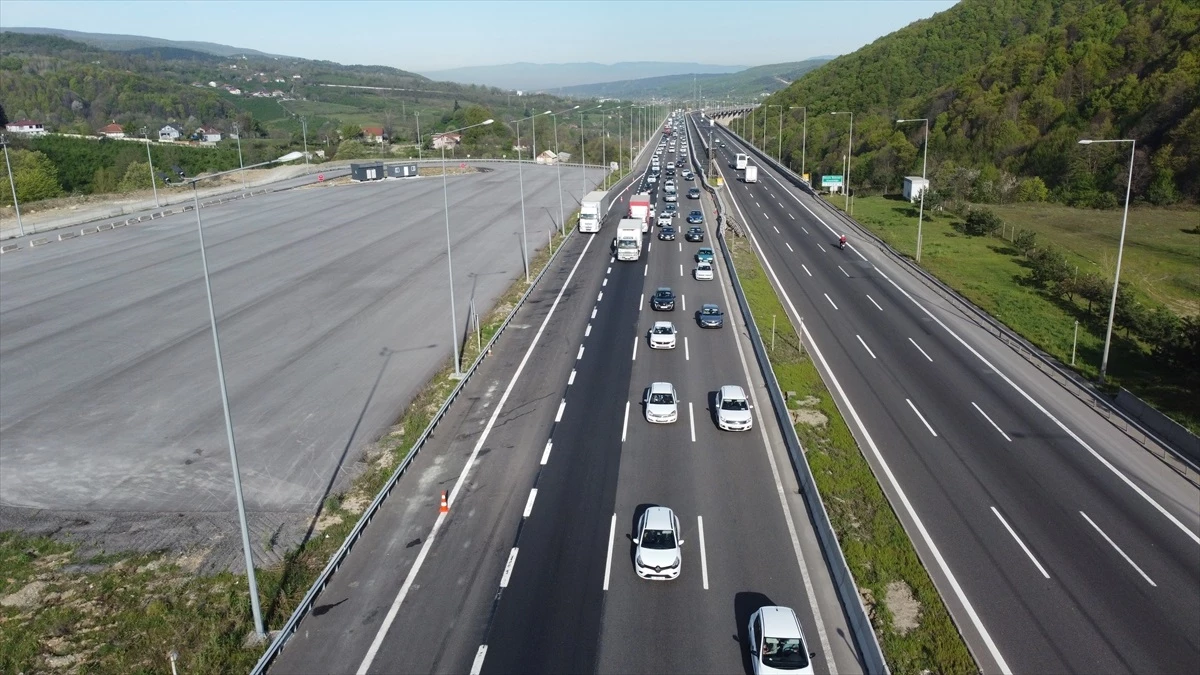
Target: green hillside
point(750, 83)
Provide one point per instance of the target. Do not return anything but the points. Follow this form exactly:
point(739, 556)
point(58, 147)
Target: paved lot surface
point(332, 308)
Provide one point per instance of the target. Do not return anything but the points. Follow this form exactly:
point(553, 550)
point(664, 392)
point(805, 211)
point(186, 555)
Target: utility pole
point(12, 183)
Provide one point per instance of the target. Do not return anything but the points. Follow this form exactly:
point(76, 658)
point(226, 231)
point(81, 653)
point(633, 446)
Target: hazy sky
point(437, 34)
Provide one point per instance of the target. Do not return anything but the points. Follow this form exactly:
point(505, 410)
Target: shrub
point(982, 222)
point(1025, 241)
point(1032, 190)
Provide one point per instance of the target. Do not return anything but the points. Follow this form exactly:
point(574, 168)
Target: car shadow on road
point(632, 533)
point(745, 604)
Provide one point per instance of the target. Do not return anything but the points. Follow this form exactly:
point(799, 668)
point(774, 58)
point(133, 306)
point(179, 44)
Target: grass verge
point(1162, 261)
point(912, 624)
point(124, 613)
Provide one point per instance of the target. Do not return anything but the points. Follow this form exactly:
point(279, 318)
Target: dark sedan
point(695, 234)
point(663, 300)
point(694, 193)
point(710, 316)
point(667, 233)
point(695, 218)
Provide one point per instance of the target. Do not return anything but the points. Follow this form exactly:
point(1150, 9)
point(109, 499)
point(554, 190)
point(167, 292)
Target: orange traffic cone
point(445, 507)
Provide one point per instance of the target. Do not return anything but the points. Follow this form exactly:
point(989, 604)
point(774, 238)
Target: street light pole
point(304, 132)
point(241, 164)
point(1112, 307)
point(12, 183)
point(153, 183)
point(562, 222)
point(449, 261)
point(849, 150)
point(521, 176)
point(417, 114)
point(779, 153)
point(803, 141)
point(924, 185)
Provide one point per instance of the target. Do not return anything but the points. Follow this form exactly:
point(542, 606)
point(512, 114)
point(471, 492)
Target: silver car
point(658, 544)
point(733, 409)
point(662, 404)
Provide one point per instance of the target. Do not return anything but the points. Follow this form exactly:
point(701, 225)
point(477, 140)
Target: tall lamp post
point(562, 222)
point(1112, 307)
point(153, 183)
point(849, 146)
point(521, 176)
point(237, 477)
point(583, 148)
point(12, 183)
point(449, 262)
point(803, 139)
point(924, 185)
point(238, 134)
point(304, 133)
point(417, 114)
point(778, 153)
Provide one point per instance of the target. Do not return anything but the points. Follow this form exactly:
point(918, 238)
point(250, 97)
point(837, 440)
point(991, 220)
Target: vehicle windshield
point(663, 330)
point(627, 243)
point(663, 295)
point(734, 404)
point(784, 653)
point(704, 266)
point(658, 539)
point(710, 311)
point(662, 399)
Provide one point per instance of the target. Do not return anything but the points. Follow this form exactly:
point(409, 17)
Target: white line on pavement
point(828, 298)
point(649, 245)
point(687, 355)
point(681, 247)
point(789, 247)
point(805, 267)
point(756, 203)
point(625, 424)
point(791, 216)
point(692, 421)
point(612, 534)
point(636, 340)
point(864, 344)
point(529, 503)
point(562, 405)
point(546, 452)
point(600, 296)
point(641, 302)
point(1118, 548)
point(594, 312)
point(766, 216)
point(805, 229)
point(985, 416)
point(680, 269)
point(580, 354)
point(508, 568)
point(683, 299)
point(605, 282)
point(646, 269)
point(914, 409)
point(844, 272)
point(876, 305)
point(914, 342)
point(1021, 543)
point(776, 230)
point(703, 552)
point(779, 203)
point(571, 379)
point(612, 259)
point(822, 248)
point(587, 331)
point(477, 664)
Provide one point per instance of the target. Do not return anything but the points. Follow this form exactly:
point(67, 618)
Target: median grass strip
point(912, 624)
point(125, 612)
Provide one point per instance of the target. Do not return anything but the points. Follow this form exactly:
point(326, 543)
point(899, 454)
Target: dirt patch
point(25, 598)
point(812, 418)
point(905, 609)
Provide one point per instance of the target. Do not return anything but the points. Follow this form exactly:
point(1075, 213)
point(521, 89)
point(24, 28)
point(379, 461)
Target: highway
point(548, 468)
point(1058, 544)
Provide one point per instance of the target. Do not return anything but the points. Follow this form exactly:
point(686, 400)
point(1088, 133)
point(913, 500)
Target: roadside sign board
point(831, 181)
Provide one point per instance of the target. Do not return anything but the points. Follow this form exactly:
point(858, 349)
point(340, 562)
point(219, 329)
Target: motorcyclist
point(842, 241)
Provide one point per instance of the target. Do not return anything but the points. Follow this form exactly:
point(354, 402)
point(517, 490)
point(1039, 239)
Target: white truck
point(629, 239)
point(591, 211)
point(740, 161)
point(751, 174)
point(639, 208)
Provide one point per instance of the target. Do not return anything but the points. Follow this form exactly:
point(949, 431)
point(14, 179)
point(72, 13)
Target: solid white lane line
point(985, 416)
point(600, 296)
point(1100, 458)
point(1118, 549)
point(546, 452)
point(390, 617)
point(864, 344)
point(625, 424)
point(878, 307)
point(692, 421)
point(822, 248)
point(687, 355)
point(828, 298)
point(529, 503)
point(612, 534)
point(914, 342)
point(508, 568)
point(681, 247)
point(1021, 543)
point(646, 269)
point(477, 664)
point(789, 247)
point(636, 340)
point(776, 230)
point(914, 409)
point(587, 331)
point(680, 269)
point(594, 312)
point(805, 267)
point(844, 272)
point(683, 299)
point(703, 552)
point(641, 302)
point(571, 379)
point(580, 354)
point(562, 405)
point(605, 282)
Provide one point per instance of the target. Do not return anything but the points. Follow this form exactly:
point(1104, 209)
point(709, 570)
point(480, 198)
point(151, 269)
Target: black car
point(667, 233)
point(663, 300)
point(694, 193)
point(695, 218)
point(670, 171)
point(688, 175)
point(695, 233)
point(710, 316)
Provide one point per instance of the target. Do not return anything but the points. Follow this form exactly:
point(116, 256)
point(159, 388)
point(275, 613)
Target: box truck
point(629, 239)
point(740, 161)
point(591, 211)
point(751, 174)
point(639, 209)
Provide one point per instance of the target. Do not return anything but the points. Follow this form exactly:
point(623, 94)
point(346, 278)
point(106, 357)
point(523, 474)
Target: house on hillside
point(27, 127)
point(169, 134)
point(441, 141)
point(374, 135)
point(547, 157)
point(113, 130)
point(208, 134)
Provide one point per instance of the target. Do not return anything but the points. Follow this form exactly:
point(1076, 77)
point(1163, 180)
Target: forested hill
point(748, 83)
point(1011, 86)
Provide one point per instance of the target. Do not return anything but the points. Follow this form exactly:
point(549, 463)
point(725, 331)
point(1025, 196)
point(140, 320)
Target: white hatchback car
point(777, 643)
point(662, 405)
point(703, 271)
point(662, 335)
point(658, 543)
point(733, 410)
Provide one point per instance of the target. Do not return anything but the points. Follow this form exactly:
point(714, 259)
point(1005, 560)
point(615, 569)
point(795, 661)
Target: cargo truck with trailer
point(591, 211)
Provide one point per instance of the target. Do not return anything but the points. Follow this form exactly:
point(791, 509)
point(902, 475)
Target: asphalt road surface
point(332, 305)
point(1059, 544)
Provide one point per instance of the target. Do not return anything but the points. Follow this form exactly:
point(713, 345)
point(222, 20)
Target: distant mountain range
point(748, 83)
point(548, 76)
point(123, 43)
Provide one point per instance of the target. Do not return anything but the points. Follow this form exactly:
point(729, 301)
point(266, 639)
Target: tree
point(982, 222)
point(1050, 268)
point(3, 117)
point(351, 132)
point(1032, 190)
point(137, 177)
point(1162, 190)
point(353, 150)
point(35, 176)
point(1025, 241)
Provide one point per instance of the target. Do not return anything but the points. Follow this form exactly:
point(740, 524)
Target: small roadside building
point(367, 172)
point(401, 170)
point(169, 134)
point(374, 135)
point(547, 157)
point(441, 141)
point(27, 127)
point(113, 130)
point(914, 187)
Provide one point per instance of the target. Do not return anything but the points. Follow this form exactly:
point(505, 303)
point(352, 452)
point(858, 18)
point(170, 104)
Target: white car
point(662, 335)
point(733, 410)
point(671, 197)
point(777, 644)
point(662, 405)
point(657, 540)
point(703, 271)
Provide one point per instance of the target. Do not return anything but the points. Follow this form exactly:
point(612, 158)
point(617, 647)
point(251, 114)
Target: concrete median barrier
point(67, 235)
point(10, 248)
point(39, 242)
point(88, 230)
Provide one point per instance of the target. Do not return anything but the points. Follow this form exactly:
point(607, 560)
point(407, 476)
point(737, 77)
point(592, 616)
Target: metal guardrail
point(293, 623)
point(865, 640)
point(1178, 458)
